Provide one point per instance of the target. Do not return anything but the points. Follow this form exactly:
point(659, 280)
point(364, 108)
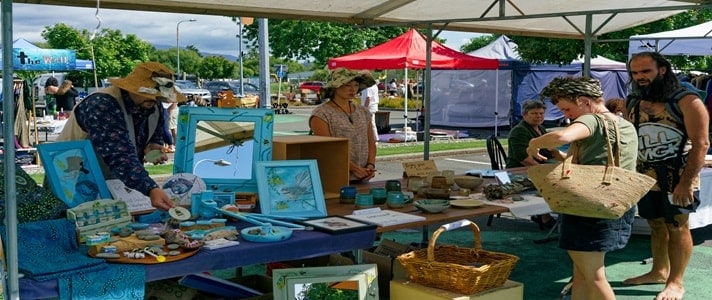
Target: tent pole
point(426, 92)
point(405, 102)
point(587, 46)
point(11, 282)
point(496, 103)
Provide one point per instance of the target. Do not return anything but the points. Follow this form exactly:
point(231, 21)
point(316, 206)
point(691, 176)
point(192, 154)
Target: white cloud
point(213, 34)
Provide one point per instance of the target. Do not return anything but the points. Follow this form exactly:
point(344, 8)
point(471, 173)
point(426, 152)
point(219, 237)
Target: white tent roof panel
point(519, 17)
point(693, 40)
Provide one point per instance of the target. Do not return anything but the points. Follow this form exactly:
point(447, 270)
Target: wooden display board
point(331, 154)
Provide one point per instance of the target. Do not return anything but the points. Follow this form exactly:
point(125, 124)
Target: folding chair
point(498, 159)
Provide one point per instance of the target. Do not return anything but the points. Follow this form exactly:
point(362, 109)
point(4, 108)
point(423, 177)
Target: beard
point(653, 91)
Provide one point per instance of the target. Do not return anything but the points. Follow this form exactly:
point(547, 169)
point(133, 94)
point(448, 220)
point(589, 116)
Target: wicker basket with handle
point(461, 270)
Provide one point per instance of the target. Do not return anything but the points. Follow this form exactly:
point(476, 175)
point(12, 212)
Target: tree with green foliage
point(217, 67)
point(319, 41)
point(114, 53)
point(477, 43)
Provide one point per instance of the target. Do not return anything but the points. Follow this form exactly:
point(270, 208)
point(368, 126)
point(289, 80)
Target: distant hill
point(231, 58)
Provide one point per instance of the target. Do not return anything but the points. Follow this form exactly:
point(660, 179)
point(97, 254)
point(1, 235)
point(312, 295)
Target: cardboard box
point(246, 287)
point(259, 282)
point(388, 267)
point(416, 173)
point(331, 154)
point(320, 261)
point(402, 289)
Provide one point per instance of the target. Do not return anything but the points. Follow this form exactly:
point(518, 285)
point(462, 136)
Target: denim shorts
point(595, 235)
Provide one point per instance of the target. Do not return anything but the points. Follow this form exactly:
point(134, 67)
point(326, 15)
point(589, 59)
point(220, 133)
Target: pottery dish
point(432, 205)
point(468, 182)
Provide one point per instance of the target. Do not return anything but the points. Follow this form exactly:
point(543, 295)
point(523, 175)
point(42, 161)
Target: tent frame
point(367, 17)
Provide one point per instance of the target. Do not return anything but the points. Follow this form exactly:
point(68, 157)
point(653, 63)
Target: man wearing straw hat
point(673, 126)
point(124, 123)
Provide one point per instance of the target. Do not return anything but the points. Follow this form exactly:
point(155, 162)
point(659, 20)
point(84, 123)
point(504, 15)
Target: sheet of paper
point(135, 201)
point(502, 177)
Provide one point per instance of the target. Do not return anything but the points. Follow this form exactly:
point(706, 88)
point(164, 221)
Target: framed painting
point(290, 188)
point(73, 171)
point(337, 225)
point(359, 281)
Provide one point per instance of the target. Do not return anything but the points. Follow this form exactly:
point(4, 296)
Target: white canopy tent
point(557, 18)
point(693, 40)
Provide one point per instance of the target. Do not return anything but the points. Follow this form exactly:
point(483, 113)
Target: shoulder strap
point(673, 104)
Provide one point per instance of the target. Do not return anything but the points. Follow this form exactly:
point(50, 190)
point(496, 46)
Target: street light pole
point(178, 45)
point(242, 77)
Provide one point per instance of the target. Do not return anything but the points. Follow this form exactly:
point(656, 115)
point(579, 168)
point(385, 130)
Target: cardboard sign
point(419, 168)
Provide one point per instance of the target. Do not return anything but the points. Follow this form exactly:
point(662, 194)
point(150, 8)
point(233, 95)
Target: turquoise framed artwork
point(290, 188)
point(73, 171)
point(222, 145)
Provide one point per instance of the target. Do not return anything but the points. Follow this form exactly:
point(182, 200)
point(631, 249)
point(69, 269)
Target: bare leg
point(174, 133)
point(590, 276)
point(659, 239)
point(680, 250)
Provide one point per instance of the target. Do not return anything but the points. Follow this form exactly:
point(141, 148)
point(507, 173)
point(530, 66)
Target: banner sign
point(43, 59)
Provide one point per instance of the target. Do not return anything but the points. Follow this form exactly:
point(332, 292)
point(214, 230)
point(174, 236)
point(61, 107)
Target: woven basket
point(461, 270)
point(595, 191)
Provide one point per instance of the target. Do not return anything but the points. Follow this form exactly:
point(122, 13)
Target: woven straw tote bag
point(597, 191)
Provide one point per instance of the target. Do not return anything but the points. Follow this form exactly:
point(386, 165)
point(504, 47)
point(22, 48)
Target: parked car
point(307, 88)
point(250, 99)
point(201, 97)
point(314, 86)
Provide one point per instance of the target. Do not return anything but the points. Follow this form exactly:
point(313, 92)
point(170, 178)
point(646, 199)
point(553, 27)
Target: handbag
point(596, 191)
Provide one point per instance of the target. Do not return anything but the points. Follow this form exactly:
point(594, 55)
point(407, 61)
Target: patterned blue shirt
point(102, 118)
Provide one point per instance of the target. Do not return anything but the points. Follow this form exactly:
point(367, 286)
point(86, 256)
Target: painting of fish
point(291, 188)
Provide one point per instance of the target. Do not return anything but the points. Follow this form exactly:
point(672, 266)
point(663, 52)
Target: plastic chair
point(498, 159)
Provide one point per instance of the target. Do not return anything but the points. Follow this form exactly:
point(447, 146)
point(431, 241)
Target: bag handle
point(612, 160)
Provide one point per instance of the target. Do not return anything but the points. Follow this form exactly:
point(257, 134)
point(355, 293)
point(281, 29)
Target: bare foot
point(647, 278)
point(671, 292)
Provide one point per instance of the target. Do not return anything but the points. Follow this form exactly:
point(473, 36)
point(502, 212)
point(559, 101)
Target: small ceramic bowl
point(432, 205)
point(437, 193)
point(468, 182)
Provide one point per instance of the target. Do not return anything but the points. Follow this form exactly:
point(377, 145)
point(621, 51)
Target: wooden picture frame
point(290, 283)
point(290, 188)
point(73, 172)
point(337, 224)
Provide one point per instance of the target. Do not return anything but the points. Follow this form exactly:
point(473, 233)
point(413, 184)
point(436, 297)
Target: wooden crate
point(331, 154)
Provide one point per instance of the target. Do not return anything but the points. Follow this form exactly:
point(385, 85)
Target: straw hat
point(152, 80)
point(341, 76)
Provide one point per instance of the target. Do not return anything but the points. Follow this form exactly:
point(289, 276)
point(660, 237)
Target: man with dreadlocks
point(588, 239)
point(672, 150)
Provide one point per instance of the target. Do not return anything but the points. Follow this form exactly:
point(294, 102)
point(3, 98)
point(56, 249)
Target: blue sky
point(212, 34)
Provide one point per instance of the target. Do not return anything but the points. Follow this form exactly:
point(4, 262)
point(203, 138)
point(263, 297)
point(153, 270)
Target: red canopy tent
point(408, 51)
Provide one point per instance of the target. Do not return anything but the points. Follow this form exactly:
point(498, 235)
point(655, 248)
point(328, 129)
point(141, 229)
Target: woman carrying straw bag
point(588, 239)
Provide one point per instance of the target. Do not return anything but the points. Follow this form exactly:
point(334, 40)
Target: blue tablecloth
point(302, 244)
